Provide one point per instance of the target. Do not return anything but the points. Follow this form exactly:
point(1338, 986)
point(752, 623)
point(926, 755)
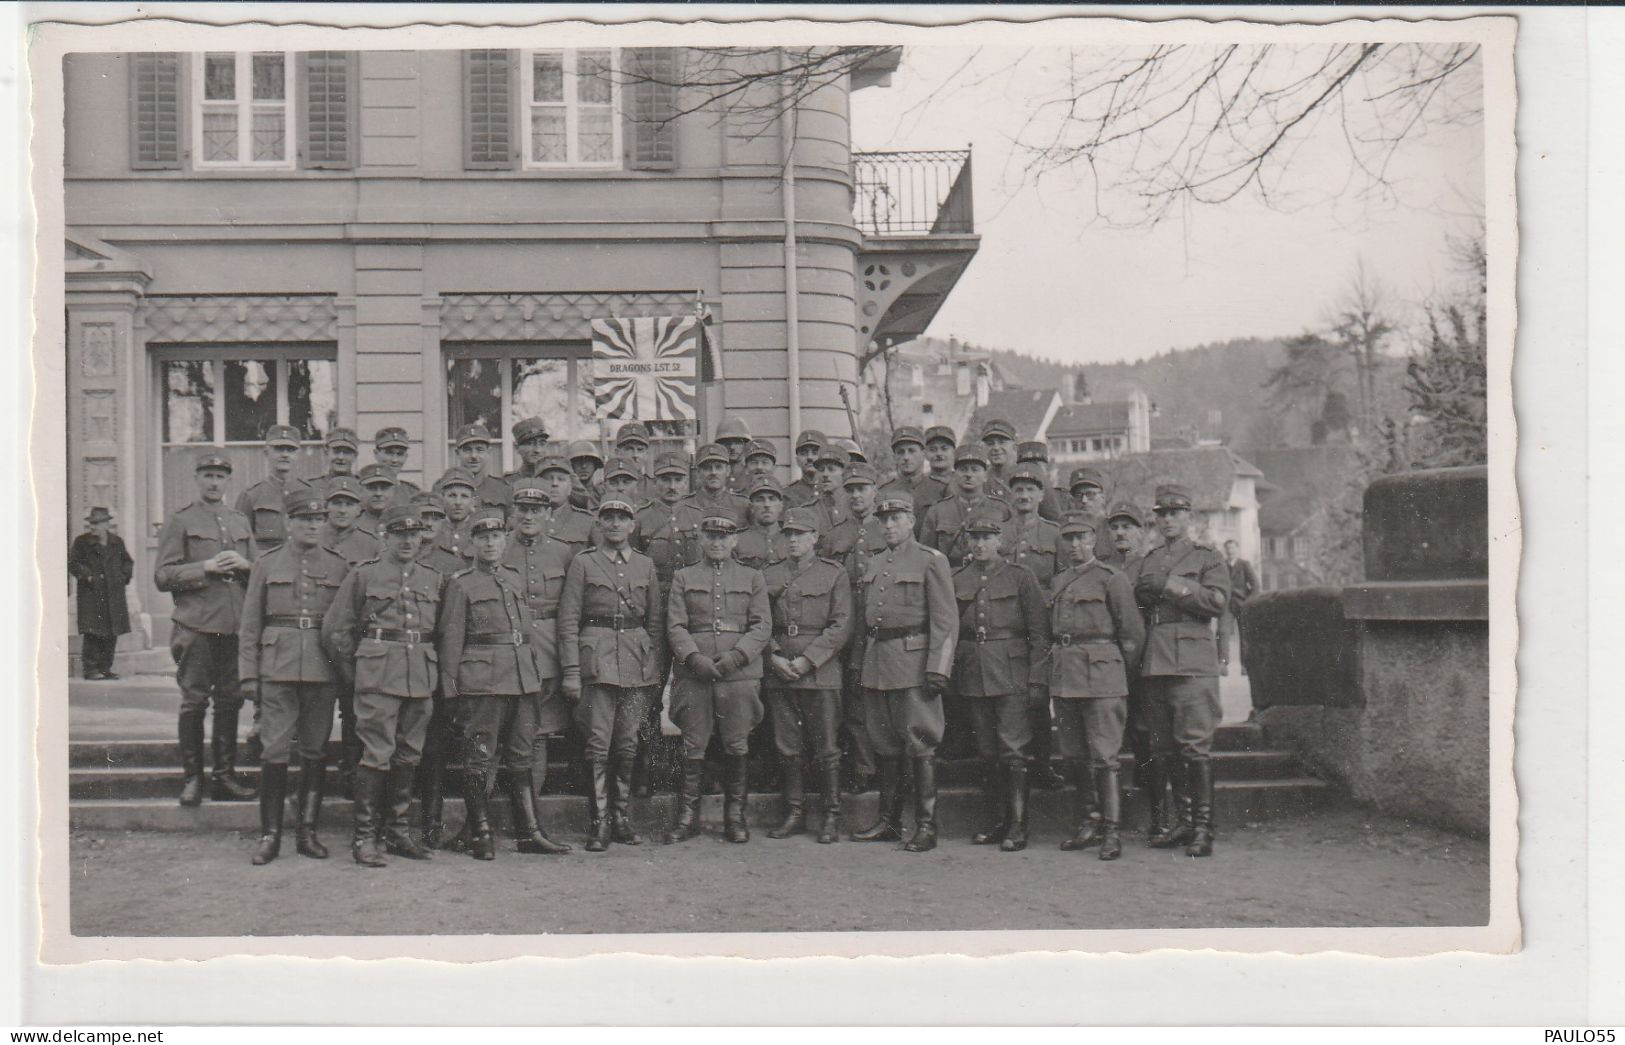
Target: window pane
point(593, 77)
point(270, 76)
point(547, 76)
point(250, 399)
point(313, 396)
point(220, 135)
point(219, 77)
point(547, 136)
point(270, 139)
point(596, 134)
point(188, 401)
point(586, 408)
point(473, 394)
point(541, 388)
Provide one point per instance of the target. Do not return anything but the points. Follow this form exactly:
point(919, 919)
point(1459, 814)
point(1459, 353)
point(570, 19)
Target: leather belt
point(1064, 639)
point(724, 625)
point(789, 631)
point(397, 635)
point(280, 620)
point(497, 638)
point(544, 614)
point(881, 634)
point(613, 623)
point(990, 634)
point(1172, 615)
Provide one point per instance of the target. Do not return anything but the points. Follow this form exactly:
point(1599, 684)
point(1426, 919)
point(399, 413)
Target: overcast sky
point(1049, 282)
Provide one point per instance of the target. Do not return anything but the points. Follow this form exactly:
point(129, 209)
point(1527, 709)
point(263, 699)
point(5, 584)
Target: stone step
point(961, 810)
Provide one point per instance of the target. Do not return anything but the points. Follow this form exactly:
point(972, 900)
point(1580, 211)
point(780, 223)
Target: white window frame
point(578, 356)
point(217, 357)
point(527, 77)
point(245, 113)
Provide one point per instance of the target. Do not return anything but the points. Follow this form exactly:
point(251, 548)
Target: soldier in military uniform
point(1096, 638)
point(760, 459)
point(432, 510)
point(530, 442)
point(851, 542)
point(1127, 528)
point(390, 445)
point(1033, 541)
point(561, 520)
point(585, 461)
point(718, 623)
point(1181, 588)
point(811, 602)
point(913, 478)
point(804, 490)
point(442, 736)
point(908, 623)
point(733, 435)
point(940, 445)
point(280, 657)
point(378, 492)
point(632, 444)
point(380, 633)
point(715, 494)
point(831, 505)
point(204, 557)
point(1087, 485)
point(944, 526)
point(622, 481)
point(612, 654)
point(339, 450)
point(763, 542)
point(474, 457)
point(490, 677)
point(456, 490)
point(998, 440)
point(345, 532)
point(854, 453)
point(1003, 642)
point(1053, 504)
point(262, 502)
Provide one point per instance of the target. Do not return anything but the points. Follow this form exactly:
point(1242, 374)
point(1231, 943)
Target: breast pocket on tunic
point(267, 523)
point(910, 581)
point(202, 542)
point(1195, 650)
point(371, 666)
point(1107, 676)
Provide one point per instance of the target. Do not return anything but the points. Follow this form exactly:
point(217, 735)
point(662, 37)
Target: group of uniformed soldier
point(961, 600)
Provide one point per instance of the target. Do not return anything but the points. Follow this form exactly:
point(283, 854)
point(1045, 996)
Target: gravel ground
point(1343, 867)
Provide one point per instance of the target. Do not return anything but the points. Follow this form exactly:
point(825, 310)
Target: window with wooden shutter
point(488, 107)
point(155, 111)
point(329, 89)
point(653, 77)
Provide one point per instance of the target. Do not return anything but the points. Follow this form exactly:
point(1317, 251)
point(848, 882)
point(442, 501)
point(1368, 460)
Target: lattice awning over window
point(237, 318)
point(550, 317)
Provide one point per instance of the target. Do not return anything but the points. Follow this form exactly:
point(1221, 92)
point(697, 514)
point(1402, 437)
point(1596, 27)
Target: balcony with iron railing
point(913, 193)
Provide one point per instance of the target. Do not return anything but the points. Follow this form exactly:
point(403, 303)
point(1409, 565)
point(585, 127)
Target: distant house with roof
point(930, 383)
point(1302, 481)
point(1224, 489)
point(1029, 411)
point(1089, 431)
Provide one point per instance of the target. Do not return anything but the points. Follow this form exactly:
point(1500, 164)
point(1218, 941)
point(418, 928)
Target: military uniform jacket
point(207, 602)
point(852, 542)
point(717, 607)
point(541, 565)
point(996, 486)
point(670, 535)
point(909, 622)
point(830, 514)
point(1179, 640)
point(739, 480)
point(492, 492)
point(453, 539)
point(733, 504)
point(812, 617)
point(289, 591)
point(440, 560)
point(262, 504)
point(485, 631)
point(1035, 542)
point(924, 488)
point(405, 490)
point(569, 526)
point(757, 547)
point(1105, 551)
point(380, 628)
point(611, 620)
point(1003, 629)
point(800, 494)
point(944, 527)
point(1096, 634)
point(585, 496)
point(357, 544)
point(319, 483)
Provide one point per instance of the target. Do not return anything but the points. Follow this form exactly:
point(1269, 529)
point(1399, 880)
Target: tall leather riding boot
point(1042, 772)
point(735, 793)
point(1016, 784)
point(224, 785)
point(370, 785)
point(1156, 788)
point(191, 739)
point(620, 803)
point(643, 765)
point(795, 800)
point(431, 781)
point(999, 781)
point(1199, 785)
point(482, 844)
point(688, 810)
point(273, 796)
point(925, 806)
point(349, 752)
point(1180, 831)
point(888, 828)
point(598, 806)
point(527, 825)
point(538, 771)
point(398, 838)
point(829, 832)
point(1088, 809)
point(312, 783)
point(1111, 812)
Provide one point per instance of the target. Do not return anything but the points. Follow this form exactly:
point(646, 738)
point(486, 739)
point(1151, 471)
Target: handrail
point(913, 192)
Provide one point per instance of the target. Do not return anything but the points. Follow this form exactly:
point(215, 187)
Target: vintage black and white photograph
point(564, 482)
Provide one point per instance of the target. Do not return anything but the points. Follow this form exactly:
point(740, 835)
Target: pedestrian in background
point(1243, 586)
point(100, 563)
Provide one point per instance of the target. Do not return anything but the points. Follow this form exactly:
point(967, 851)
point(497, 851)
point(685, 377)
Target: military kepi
point(612, 505)
point(800, 520)
point(401, 518)
point(984, 521)
point(895, 502)
point(1172, 495)
point(303, 502)
point(212, 459)
point(282, 435)
point(483, 521)
point(719, 524)
point(1077, 522)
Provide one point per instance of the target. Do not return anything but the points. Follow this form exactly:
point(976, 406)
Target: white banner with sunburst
point(645, 367)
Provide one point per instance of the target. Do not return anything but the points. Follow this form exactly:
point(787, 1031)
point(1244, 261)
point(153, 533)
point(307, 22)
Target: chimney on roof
point(1080, 388)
